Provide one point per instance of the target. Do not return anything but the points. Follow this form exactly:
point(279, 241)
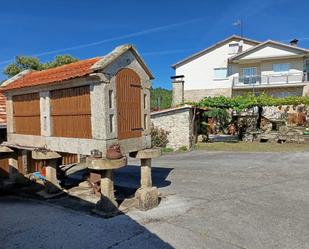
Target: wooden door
point(71, 112)
point(26, 113)
point(128, 92)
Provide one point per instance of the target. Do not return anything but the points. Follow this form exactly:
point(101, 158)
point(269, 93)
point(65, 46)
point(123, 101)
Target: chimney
point(178, 90)
point(294, 42)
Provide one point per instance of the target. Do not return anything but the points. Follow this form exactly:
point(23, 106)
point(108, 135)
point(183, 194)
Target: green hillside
point(165, 98)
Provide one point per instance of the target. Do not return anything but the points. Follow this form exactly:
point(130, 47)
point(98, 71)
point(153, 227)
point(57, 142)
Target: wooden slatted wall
point(128, 87)
point(26, 113)
point(71, 112)
point(68, 158)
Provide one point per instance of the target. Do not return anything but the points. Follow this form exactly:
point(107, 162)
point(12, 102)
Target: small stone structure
point(81, 108)
point(179, 123)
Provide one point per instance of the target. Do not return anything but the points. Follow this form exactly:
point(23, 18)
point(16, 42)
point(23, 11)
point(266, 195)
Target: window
point(233, 48)
point(249, 71)
point(111, 123)
point(145, 101)
point(283, 94)
point(281, 67)
point(145, 121)
point(249, 75)
point(110, 98)
point(220, 73)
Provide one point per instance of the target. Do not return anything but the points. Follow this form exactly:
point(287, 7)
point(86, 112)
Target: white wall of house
point(270, 51)
point(199, 73)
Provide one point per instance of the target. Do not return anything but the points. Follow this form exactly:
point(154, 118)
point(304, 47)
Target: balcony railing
point(275, 79)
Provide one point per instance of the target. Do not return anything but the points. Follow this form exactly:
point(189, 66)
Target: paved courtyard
point(210, 200)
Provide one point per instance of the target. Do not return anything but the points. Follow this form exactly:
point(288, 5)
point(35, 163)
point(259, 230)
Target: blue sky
point(164, 32)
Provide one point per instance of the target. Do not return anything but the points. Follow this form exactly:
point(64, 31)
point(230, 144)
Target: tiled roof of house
point(2, 110)
point(206, 50)
point(57, 74)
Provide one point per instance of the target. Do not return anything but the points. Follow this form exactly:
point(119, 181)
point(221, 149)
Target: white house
point(237, 65)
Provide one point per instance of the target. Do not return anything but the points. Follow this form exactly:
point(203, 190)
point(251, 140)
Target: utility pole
point(159, 102)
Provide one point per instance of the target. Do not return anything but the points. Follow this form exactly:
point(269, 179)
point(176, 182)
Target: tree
point(29, 62)
point(164, 95)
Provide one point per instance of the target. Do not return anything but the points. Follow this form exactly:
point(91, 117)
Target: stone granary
point(82, 108)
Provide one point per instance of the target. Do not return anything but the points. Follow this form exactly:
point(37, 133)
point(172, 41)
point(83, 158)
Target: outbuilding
point(83, 106)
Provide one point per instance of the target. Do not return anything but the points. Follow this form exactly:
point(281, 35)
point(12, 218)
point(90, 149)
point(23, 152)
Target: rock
point(202, 138)
point(84, 184)
point(283, 130)
point(147, 198)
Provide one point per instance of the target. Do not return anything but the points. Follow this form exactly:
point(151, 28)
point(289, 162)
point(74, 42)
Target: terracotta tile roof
point(57, 74)
point(2, 110)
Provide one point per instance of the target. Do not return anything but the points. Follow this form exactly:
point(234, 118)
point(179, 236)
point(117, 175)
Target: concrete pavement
point(210, 200)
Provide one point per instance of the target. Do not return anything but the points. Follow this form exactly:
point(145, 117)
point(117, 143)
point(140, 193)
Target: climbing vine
point(240, 103)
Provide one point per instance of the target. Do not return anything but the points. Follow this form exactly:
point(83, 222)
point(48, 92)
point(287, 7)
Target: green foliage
point(167, 150)
point(183, 148)
point(165, 96)
point(59, 61)
point(240, 103)
point(22, 63)
point(158, 137)
point(28, 62)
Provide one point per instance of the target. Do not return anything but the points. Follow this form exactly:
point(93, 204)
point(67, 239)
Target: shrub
point(158, 137)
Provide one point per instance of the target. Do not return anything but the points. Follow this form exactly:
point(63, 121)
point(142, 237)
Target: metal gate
point(128, 92)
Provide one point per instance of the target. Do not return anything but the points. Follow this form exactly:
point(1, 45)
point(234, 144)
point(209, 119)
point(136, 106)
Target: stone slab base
point(147, 198)
point(147, 153)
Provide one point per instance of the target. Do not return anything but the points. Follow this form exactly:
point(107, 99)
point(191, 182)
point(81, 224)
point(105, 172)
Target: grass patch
point(254, 147)
point(167, 150)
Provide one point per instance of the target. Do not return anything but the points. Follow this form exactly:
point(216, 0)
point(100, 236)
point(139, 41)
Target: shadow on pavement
point(31, 221)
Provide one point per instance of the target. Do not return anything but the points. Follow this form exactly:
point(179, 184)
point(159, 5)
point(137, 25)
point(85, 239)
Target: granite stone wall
point(178, 123)
point(199, 94)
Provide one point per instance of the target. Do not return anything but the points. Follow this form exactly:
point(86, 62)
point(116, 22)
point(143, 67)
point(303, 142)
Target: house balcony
point(271, 80)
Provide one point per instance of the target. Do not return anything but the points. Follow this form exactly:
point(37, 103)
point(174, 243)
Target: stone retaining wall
point(177, 122)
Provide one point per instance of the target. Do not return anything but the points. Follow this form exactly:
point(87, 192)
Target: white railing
point(269, 79)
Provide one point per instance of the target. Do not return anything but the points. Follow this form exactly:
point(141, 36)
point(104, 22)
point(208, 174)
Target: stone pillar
point(177, 90)
point(107, 203)
point(52, 183)
point(9, 115)
point(147, 196)
point(146, 181)
point(107, 186)
point(45, 114)
point(13, 168)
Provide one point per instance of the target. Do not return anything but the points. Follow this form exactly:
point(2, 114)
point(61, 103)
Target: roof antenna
point(239, 23)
